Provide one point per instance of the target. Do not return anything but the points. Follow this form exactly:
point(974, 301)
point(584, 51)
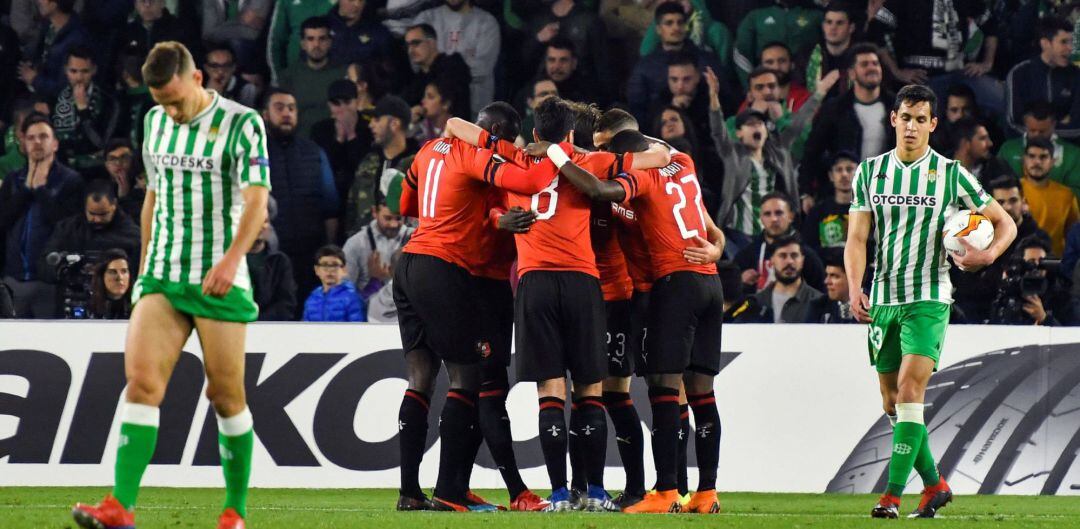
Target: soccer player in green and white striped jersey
point(208, 182)
point(905, 195)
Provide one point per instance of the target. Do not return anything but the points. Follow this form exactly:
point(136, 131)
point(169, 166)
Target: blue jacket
point(341, 303)
point(366, 41)
point(27, 217)
point(50, 62)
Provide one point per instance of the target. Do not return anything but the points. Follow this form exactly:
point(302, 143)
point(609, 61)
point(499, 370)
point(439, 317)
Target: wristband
point(557, 155)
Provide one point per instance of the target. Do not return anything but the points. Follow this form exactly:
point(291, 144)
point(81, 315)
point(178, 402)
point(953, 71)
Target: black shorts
point(620, 347)
point(437, 309)
point(639, 310)
point(559, 327)
point(683, 322)
point(495, 299)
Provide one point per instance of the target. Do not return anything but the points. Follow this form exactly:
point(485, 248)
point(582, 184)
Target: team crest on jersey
point(212, 135)
point(484, 348)
point(932, 175)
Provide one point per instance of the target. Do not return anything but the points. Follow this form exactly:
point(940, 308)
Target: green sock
point(924, 462)
point(235, 442)
point(138, 437)
point(908, 438)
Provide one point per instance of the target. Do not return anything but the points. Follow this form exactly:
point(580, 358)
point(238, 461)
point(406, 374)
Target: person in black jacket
point(32, 200)
point(153, 23)
point(85, 114)
point(430, 65)
point(345, 136)
point(110, 287)
point(101, 226)
point(855, 122)
point(272, 283)
point(754, 259)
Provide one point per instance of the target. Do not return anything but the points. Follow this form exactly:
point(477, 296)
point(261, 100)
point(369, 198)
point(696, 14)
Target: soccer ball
point(974, 228)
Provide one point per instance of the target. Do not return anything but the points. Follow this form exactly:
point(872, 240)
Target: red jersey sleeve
point(503, 148)
point(635, 183)
point(486, 165)
point(407, 203)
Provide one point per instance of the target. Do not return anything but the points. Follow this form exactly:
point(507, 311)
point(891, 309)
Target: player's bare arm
point(590, 185)
point(219, 279)
point(706, 251)
point(974, 259)
point(463, 130)
point(855, 263)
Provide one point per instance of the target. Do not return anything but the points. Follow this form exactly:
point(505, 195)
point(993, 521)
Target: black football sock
point(665, 431)
point(473, 441)
point(579, 476)
point(706, 438)
point(628, 438)
point(590, 424)
point(457, 430)
point(553, 439)
point(412, 436)
point(495, 425)
point(684, 441)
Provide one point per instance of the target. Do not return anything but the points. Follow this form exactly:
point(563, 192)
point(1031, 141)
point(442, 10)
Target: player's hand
point(704, 253)
point(81, 94)
point(538, 149)
point(377, 269)
point(219, 279)
point(973, 259)
point(517, 220)
point(860, 306)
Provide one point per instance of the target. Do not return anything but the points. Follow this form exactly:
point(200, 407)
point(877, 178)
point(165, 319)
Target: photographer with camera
point(110, 288)
point(1030, 292)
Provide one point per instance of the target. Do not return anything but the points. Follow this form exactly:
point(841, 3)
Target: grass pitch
point(47, 508)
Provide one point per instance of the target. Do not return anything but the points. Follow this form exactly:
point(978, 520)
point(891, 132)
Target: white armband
point(557, 155)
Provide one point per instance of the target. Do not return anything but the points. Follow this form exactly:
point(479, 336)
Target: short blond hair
point(167, 60)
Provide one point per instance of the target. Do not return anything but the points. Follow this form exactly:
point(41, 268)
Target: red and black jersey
point(498, 251)
point(668, 203)
point(634, 248)
point(615, 280)
point(446, 187)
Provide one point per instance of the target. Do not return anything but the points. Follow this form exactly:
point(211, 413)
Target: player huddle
point(616, 276)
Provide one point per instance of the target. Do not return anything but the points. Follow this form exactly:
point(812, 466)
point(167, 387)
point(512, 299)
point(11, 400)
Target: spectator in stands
point(856, 122)
point(381, 307)
point(273, 284)
point(336, 299)
point(62, 31)
point(369, 251)
point(474, 33)
point(153, 23)
point(220, 69)
point(237, 24)
point(974, 292)
point(940, 44)
point(960, 104)
point(838, 29)
point(685, 92)
point(134, 100)
point(310, 78)
point(1052, 205)
point(672, 124)
point(429, 65)
point(14, 158)
point(562, 66)
point(1012, 307)
point(648, 80)
point(358, 36)
point(835, 305)
point(1041, 122)
point(539, 91)
point(1050, 77)
point(973, 149)
point(788, 298)
point(283, 43)
point(303, 187)
point(345, 136)
point(705, 32)
point(126, 174)
point(110, 288)
point(10, 57)
point(777, 57)
point(797, 27)
point(99, 227)
point(825, 227)
point(777, 219)
point(85, 115)
point(755, 162)
point(733, 290)
point(32, 201)
point(435, 109)
point(579, 32)
point(392, 155)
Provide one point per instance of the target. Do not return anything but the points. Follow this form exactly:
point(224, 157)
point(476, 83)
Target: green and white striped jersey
point(909, 204)
point(197, 169)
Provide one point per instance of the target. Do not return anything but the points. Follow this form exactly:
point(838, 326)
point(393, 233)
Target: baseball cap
point(341, 90)
point(393, 106)
point(749, 114)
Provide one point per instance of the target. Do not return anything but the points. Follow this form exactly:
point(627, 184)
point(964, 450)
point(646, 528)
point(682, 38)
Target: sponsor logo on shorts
point(901, 449)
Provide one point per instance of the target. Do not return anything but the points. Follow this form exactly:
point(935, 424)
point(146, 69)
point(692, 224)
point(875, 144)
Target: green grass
point(45, 508)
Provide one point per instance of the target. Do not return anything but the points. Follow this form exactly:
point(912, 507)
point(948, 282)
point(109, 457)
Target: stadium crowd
point(777, 101)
